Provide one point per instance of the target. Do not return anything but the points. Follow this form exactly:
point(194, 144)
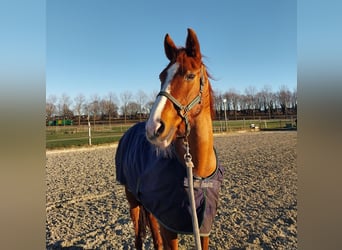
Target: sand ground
point(87, 209)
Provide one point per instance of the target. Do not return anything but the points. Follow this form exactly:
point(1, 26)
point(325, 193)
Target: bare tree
point(267, 100)
point(141, 101)
point(218, 103)
point(94, 107)
point(243, 103)
point(284, 97)
point(50, 107)
point(109, 107)
point(250, 99)
point(294, 100)
point(79, 104)
point(132, 109)
point(64, 106)
point(150, 101)
point(126, 97)
point(259, 102)
point(272, 103)
point(233, 96)
point(227, 104)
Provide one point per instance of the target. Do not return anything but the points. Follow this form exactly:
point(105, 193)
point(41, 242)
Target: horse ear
point(170, 48)
point(192, 45)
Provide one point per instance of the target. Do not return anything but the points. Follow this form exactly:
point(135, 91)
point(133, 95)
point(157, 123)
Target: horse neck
point(201, 145)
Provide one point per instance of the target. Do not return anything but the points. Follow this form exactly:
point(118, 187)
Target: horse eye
point(189, 77)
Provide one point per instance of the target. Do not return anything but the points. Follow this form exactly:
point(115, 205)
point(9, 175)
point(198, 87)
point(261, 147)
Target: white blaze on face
point(153, 122)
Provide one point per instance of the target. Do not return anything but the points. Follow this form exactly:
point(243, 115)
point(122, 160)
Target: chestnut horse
point(151, 156)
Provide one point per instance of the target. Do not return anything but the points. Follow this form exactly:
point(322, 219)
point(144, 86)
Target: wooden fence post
point(89, 131)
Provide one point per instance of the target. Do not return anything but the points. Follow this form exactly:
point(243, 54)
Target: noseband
point(183, 110)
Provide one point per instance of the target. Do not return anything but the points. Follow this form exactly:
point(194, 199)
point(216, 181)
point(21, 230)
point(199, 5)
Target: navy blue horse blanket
point(159, 182)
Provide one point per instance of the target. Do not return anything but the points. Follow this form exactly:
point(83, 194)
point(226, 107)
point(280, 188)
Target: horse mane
point(210, 93)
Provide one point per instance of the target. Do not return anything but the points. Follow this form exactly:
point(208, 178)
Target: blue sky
point(97, 47)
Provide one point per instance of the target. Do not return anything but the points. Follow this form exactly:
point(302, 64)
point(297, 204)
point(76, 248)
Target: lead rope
point(183, 113)
point(189, 166)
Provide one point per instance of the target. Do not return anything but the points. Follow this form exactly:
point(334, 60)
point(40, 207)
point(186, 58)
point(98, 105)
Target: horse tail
point(144, 222)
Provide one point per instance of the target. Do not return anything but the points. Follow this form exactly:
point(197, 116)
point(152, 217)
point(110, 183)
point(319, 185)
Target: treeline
point(228, 105)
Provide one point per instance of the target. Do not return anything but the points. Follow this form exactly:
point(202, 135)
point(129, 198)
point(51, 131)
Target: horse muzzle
point(157, 135)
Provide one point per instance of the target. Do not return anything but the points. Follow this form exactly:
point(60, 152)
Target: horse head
point(179, 102)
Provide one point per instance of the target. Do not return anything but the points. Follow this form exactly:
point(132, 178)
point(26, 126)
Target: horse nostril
point(160, 130)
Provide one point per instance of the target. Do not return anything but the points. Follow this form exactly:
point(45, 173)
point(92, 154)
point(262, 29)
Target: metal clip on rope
point(187, 156)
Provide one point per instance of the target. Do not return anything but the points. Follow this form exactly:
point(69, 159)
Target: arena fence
point(83, 135)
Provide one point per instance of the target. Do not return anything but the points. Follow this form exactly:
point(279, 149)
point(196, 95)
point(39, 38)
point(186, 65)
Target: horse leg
point(170, 241)
point(134, 209)
point(205, 242)
point(154, 226)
